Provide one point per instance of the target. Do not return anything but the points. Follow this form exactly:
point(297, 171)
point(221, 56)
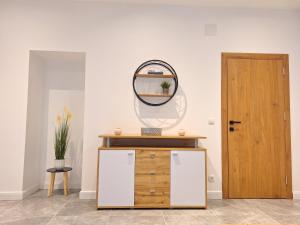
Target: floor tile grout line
point(15, 206)
point(19, 202)
point(163, 215)
point(266, 214)
point(55, 215)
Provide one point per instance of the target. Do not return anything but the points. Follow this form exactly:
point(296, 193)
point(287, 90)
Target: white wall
point(34, 125)
point(116, 39)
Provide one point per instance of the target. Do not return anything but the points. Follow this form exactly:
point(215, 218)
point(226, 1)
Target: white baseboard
point(11, 195)
point(60, 186)
point(18, 195)
point(30, 191)
point(296, 195)
point(92, 195)
point(214, 194)
point(87, 195)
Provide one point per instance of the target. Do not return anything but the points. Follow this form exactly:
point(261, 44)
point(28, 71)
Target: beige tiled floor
point(59, 210)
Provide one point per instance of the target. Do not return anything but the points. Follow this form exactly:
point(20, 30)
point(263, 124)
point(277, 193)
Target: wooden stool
point(53, 171)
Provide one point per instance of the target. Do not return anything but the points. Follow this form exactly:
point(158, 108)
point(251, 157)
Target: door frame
point(224, 116)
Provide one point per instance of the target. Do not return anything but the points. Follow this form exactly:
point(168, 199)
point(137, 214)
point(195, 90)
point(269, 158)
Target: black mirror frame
point(160, 63)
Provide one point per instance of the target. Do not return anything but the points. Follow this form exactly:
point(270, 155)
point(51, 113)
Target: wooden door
point(257, 126)
point(116, 178)
point(188, 179)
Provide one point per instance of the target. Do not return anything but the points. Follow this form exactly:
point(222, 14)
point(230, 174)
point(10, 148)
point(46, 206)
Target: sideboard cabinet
point(170, 174)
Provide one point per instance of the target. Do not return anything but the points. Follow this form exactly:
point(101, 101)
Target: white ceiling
point(266, 4)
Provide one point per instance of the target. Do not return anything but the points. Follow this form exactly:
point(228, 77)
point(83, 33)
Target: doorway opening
point(56, 81)
point(256, 142)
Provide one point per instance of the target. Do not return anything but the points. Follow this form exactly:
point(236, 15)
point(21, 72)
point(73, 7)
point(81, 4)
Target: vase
point(165, 91)
point(59, 163)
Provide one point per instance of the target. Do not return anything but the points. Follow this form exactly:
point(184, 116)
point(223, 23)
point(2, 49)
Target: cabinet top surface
point(150, 137)
point(152, 149)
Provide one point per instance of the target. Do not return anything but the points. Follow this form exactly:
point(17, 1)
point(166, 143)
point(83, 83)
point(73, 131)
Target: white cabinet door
point(116, 178)
point(188, 178)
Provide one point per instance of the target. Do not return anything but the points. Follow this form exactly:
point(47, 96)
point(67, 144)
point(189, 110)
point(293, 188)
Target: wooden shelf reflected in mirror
point(154, 95)
point(154, 76)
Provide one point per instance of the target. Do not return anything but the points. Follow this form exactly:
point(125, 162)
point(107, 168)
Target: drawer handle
point(152, 191)
point(152, 155)
point(152, 173)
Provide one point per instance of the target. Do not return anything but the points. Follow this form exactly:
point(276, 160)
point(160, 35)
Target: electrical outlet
point(211, 178)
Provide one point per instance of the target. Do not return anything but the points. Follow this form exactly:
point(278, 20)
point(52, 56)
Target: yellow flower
point(66, 110)
point(69, 115)
point(58, 119)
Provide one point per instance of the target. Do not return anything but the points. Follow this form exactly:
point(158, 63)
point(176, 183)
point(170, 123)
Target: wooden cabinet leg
point(66, 185)
point(51, 184)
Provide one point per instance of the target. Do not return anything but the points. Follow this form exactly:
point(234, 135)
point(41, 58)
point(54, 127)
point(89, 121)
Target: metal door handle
point(232, 122)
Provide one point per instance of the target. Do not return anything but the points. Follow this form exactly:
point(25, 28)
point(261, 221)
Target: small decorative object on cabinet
point(181, 132)
point(137, 171)
point(118, 131)
point(146, 90)
point(61, 140)
point(151, 131)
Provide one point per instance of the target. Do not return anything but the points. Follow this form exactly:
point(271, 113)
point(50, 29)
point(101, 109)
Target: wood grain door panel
point(240, 160)
point(256, 148)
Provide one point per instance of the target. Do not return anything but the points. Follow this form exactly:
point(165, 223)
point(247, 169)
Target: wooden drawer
point(152, 201)
point(152, 162)
point(152, 178)
point(152, 191)
point(158, 183)
point(152, 154)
